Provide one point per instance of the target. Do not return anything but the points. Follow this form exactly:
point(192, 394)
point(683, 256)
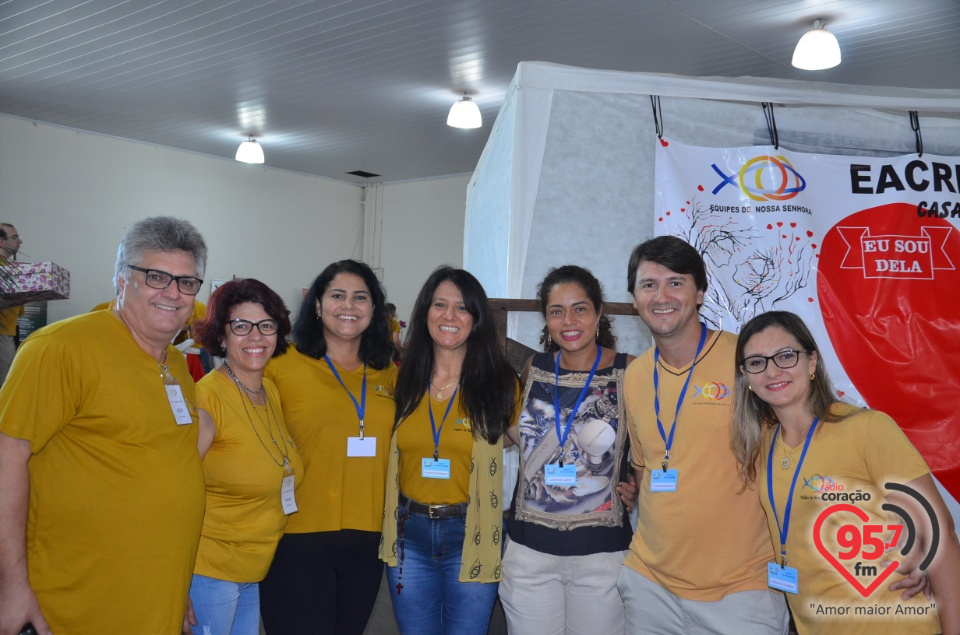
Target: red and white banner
point(865, 249)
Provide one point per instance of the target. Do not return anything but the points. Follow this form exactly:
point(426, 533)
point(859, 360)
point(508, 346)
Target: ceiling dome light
point(817, 50)
point(250, 152)
point(464, 114)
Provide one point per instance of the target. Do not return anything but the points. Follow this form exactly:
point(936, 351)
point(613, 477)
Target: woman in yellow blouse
point(336, 384)
point(443, 519)
point(250, 463)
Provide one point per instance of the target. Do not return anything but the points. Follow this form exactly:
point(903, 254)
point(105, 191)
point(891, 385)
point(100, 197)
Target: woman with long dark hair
point(336, 385)
point(456, 396)
point(570, 529)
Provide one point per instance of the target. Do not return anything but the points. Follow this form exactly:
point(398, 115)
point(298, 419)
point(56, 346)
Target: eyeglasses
point(156, 279)
point(784, 360)
point(245, 327)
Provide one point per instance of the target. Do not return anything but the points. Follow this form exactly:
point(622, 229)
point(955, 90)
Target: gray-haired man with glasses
point(99, 535)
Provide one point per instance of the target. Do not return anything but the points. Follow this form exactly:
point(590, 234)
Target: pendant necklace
point(786, 461)
point(284, 451)
point(439, 393)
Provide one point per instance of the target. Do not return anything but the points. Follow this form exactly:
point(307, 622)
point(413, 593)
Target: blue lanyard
point(683, 393)
point(576, 406)
point(362, 406)
point(433, 423)
point(785, 528)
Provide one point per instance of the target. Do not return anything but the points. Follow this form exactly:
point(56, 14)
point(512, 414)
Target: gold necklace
point(785, 461)
point(439, 394)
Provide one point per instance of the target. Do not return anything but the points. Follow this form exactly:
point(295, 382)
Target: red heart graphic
point(897, 337)
point(862, 515)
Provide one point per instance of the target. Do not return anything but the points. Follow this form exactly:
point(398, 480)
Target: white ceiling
point(330, 87)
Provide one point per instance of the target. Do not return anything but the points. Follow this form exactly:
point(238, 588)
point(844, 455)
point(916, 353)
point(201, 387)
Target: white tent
point(567, 175)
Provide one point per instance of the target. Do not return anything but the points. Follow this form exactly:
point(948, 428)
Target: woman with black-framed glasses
point(251, 464)
point(827, 474)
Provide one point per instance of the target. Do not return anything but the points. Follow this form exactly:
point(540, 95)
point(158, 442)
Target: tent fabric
point(567, 175)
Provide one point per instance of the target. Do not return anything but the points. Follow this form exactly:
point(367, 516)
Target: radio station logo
point(861, 542)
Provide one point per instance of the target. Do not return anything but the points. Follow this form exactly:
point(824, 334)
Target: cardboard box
point(23, 282)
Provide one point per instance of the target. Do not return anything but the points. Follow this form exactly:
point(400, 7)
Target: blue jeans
point(225, 608)
point(432, 600)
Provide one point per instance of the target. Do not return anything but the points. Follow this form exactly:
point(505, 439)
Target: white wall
point(422, 229)
point(72, 196)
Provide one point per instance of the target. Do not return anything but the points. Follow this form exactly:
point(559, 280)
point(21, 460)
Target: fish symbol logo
point(713, 391)
point(764, 178)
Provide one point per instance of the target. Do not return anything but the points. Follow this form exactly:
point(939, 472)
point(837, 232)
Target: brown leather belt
point(434, 512)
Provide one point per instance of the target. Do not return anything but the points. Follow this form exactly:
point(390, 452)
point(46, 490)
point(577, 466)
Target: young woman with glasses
point(810, 452)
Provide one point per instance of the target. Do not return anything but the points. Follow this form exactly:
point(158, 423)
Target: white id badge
point(661, 481)
point(367, 446)
point(287, 498)
point(435, 468)
point(181, 414)
point(565, 476)
point(782, 578)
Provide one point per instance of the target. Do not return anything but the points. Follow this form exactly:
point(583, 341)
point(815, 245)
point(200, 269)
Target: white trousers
point(651, 609)
point(543, 594)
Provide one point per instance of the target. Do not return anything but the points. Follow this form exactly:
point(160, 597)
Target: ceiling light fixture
point(464, 114)
point(250, 151)
point(817, 50)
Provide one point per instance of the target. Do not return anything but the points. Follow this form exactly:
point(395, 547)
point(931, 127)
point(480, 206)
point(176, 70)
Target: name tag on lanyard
point(287, 498)
point(361, 446)
point(661, 481)
point(782, 578)
point(181, 412)
point(435, 468)
point(565, 476)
